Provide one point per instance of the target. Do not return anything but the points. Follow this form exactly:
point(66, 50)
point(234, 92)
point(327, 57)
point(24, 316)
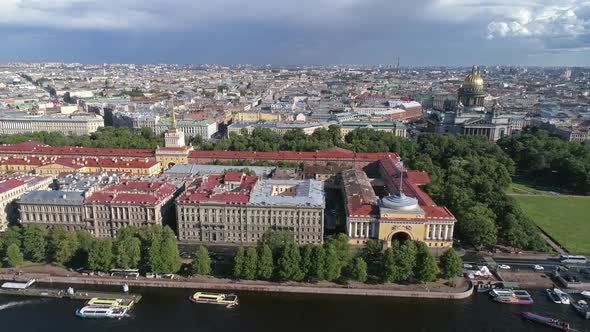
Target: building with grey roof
point(297, 193)
point(239, 209)
point(53, 208)
point(195, 170)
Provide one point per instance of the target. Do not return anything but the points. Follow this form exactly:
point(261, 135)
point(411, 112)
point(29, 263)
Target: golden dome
point(473, 79)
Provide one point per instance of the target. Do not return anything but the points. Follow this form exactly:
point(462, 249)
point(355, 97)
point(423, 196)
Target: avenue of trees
point(278, 258)
point(150, 249)
point(550, 161)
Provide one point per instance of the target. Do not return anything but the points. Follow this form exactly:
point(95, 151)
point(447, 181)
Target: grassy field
point(517, 188)
point(566, 219)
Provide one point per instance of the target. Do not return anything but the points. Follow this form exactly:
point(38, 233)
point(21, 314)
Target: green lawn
point(566, 219)
point(517, 188)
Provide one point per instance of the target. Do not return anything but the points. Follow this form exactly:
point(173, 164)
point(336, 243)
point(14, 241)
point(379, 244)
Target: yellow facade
point(169, 157)
point(258, 116)
point(56, 169)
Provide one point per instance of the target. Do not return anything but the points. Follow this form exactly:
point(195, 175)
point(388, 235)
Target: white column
point(439, 232)
point(446, 232)
point(349, 229)
point(427, 231)
point(356, 234)
point(362, 229)
point(368, 230)
point(451, 232)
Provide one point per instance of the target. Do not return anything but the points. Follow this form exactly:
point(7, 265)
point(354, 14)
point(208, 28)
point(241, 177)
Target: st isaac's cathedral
point(471, 117)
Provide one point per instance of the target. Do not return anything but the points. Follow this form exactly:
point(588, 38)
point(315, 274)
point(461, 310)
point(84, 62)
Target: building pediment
point(477, 122)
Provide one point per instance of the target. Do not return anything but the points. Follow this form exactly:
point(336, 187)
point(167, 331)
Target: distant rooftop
point(53, 197)
point(288, 192)
point(216, 169)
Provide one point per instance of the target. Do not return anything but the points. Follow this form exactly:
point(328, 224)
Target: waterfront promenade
point(430, 290)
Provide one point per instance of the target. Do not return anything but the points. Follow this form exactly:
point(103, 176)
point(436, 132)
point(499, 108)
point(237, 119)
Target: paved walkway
point(553, 244)
point(245, 286)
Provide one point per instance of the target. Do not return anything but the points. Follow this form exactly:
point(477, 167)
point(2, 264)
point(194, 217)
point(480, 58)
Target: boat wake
point(13, 304)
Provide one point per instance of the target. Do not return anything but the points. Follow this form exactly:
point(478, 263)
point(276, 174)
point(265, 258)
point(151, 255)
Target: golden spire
point(173, 114)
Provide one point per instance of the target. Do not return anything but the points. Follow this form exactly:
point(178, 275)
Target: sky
point(297, 32)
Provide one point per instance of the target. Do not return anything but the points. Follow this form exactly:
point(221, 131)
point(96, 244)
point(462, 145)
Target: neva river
point(170, 310)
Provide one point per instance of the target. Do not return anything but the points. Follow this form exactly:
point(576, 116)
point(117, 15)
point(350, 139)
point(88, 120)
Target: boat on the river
point(565, 299)
point(101, 312)
point(509, 296)
point(110, 303)
point(552, 296)
point(229, 300)
point(582, 308)
point(484, 287)
point(551, 322)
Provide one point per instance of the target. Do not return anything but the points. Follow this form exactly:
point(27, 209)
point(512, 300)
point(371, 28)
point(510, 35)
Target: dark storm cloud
point(291, 32)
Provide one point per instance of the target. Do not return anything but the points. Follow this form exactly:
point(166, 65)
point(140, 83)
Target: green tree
point(359, 270)
point(170, 256)
point(127, 252)
point(372, 255)
point(332, 265)
point(13, 235)
point(85, 240)
point(405, 259)
point(451, 264)
point(399, 262)
point(306, 259)
point(317, 270)
point(277, 240)
point(34, 243)
point(425, 269)
point(201, 262)
point(288, 263)
point(238, 268)
point(151, 239)
point(478, 227)
point(389, 268)
point(100, 257)
point(250, 269)
point(14, 257)
point(63, 245)
point(265, 263)
point(340, 243)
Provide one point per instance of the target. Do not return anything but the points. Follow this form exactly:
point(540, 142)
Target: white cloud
point(173, 14)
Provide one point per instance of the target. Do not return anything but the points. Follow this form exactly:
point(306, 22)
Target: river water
point(170, 310)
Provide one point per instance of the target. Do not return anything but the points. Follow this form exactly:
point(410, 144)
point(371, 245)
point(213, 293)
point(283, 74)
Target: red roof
point(335, 154)
point(211, 188)
point(36, 148)
point(78, 163)
point(10, 184)
point(233, 176)
point(133, 192)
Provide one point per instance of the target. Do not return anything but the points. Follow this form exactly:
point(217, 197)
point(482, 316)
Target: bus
point(573, 259)
point(125, 273)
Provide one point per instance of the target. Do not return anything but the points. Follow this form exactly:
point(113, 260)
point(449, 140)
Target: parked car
point(504, 267)
point(585, 271)
point(468, 266)
point(538, 268)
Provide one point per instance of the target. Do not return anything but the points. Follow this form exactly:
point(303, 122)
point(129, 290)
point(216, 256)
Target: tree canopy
point(549, 161)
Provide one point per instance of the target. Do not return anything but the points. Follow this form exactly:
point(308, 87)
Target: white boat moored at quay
point(101, 312)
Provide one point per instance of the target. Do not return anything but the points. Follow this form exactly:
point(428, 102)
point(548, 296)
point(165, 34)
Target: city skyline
point(423, 32)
